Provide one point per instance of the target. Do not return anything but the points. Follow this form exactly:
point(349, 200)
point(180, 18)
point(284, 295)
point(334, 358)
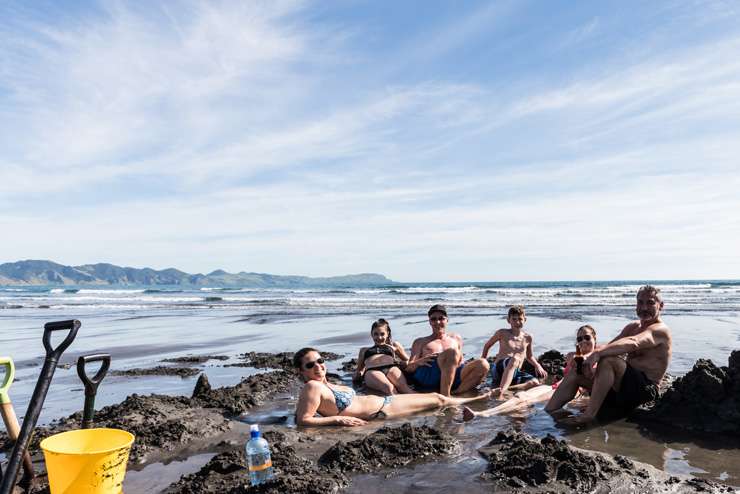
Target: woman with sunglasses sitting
point(339, 405)
point(379, 366)
point(558, 393)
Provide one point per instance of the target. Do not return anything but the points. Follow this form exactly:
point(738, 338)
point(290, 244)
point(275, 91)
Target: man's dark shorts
point(635, 390)
point(497, 371)
point(429, 378)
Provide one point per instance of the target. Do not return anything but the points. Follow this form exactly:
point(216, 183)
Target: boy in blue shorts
point(514, 347)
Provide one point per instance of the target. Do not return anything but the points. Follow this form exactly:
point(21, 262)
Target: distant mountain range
point(50, 273)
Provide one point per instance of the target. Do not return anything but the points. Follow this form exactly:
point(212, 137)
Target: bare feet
point(468, 414)
point(578, 421)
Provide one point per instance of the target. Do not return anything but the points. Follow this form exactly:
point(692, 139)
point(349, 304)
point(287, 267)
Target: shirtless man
point(436, 360)
point(514, 347)
point(618, 385)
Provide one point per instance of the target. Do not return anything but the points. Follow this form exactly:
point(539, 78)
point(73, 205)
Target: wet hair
point(379, 324)
point(298, 356)
point(589, 328)
point(652, 290)
point(515, 310)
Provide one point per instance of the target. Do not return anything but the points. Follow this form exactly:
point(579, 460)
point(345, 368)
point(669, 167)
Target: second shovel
point(91, 384)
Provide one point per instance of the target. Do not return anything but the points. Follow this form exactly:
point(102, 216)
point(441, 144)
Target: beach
point(141, 327)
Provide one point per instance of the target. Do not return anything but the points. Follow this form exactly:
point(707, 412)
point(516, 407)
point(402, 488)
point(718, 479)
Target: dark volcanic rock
point(388, 448)
point(282, 360)
point(227, 473)
point(520, 463)
point(524, 461)
point(195, 359)
point(160, 370)
point(158, 422)
point(706, 399)
point(552, 361)
point(164, 423)
point(252, 391)
point(349, 365)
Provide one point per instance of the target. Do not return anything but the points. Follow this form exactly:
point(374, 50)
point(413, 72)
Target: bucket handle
point(91, 383)
point(72, 325)
point(6, 362)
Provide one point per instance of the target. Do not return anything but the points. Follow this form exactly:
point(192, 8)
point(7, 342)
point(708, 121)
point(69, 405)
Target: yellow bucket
point(87, 461)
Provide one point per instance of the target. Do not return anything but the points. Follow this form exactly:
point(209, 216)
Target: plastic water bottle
point(258, 457)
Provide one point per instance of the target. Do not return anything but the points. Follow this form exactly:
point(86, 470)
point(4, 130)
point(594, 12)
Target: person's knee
point(385, 387)
point(395, 373)
point(449, 357)
point(609, 364)
point(515, 362)
point(482, 364)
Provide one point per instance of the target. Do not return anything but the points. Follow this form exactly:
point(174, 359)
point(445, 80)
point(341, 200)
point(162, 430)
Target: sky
point(426, 141)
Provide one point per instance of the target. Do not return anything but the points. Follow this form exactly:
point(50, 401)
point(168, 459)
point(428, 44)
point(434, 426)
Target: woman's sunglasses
point(585, 337)
point(309, 365)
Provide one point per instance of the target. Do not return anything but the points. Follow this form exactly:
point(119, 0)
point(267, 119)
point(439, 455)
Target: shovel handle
point(91, 383)
point(7, 363)
point(72, 325)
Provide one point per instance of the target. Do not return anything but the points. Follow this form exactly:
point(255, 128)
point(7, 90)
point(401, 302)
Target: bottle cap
point(254, 430)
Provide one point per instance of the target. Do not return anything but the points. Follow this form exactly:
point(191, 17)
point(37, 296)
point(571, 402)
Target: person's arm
point(491, 341)
point(416, 359)
point(308, 405)
point(360, 363)
point(538, 369)
point(627, 344)
point(401, 352)
point(625, 331)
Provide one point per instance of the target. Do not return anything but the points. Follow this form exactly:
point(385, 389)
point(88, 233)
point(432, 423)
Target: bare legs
point(389, 384)
point(471, 375)
point(519, 401)
point(413, 403)
point(448, 362)
point(609, 375)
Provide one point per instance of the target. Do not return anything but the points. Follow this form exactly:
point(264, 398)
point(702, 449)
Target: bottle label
point(265, 463)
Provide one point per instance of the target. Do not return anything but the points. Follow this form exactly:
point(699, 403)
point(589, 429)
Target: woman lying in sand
point(339, 405)
point(379, 366)
point(558, 395)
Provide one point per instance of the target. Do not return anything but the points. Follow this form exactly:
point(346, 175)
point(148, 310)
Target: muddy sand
point(706, 400)
point(165, 425)
point(195, 359)
point(386, 448)
point(520, 463)
point(516, 463)
point(282, 360)
point(160, 370)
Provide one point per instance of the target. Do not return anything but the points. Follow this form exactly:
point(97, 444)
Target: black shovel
point(91, 385)
point(37, 400)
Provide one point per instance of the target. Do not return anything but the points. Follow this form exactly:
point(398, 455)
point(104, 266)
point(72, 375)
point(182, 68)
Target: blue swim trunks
point(497, 371)
point(428, 378)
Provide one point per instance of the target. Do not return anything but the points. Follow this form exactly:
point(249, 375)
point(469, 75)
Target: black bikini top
point(379, 350)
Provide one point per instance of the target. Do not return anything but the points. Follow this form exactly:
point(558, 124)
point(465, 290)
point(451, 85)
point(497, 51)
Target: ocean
point(548, 299)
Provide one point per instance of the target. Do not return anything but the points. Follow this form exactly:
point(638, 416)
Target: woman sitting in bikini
point(380, 366)
point(557, 395)
point(339, 405)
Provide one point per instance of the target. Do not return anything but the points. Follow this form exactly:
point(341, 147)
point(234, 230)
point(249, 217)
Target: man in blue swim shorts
point(436, 360)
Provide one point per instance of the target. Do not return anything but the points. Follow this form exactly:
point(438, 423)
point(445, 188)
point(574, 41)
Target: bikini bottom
point(380, 414)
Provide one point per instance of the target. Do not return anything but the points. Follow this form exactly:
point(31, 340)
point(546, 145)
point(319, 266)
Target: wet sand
point(668, 450)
